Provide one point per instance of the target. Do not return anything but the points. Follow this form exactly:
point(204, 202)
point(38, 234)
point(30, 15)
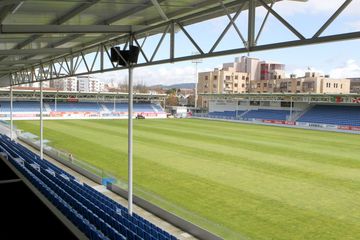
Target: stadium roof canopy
point(43, 39)
point(351, 98)
point(82, 96)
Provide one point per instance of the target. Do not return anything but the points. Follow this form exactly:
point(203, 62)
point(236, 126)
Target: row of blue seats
point(267, 114)
point(32, 106)
point(337, 115)
point(253, 114)
point(100, 211)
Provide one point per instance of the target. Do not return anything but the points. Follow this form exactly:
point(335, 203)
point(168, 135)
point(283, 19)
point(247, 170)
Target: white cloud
point(162, 74)
point(314, 7)
point(350, 69)
point(300, 72)
point(355, 25)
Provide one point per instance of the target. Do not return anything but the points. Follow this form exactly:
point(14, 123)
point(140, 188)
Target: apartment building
point(354, 85)
point(65, 84)
point(312, 82)
point(257, 70)
point(235, 77)
point(223, 81)
point(89, 84)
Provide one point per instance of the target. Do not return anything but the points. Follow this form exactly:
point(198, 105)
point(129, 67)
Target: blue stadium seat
point(267, 114)
point(336, 115)
point(96, 215)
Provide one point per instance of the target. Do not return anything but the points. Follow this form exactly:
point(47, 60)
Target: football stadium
point(116, 165)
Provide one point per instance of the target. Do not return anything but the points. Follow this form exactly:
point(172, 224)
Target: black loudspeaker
point(130, 56)
point(114, 56)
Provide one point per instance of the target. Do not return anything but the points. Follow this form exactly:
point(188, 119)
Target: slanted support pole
point(41, 122)
point(11, 113)
point(251, 25)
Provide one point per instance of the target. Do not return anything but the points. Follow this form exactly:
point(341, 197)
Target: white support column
point(11, 113)
point(41, 122)
point(55, 103)
point(291, 108)
point(114, 108)
point(130, 142)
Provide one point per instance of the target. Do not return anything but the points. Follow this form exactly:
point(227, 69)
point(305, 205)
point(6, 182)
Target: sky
point(338, 59)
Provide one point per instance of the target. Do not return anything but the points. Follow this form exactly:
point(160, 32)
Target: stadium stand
point(138, 107)
point(23, 106)
point(29, 106)
point(266, 114)
point(96, 215)
point(337, 115)
point(76, 107)
point(225, 114)
point(18, 200)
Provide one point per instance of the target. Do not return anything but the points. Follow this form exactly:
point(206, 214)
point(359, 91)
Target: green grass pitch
point(261, 182)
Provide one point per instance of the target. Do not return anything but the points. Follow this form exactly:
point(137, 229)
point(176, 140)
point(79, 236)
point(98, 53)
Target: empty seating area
point(267, 114)
point(34, 107)
point(76, 107)
point(96, 215)
point(225, 114)
point(337, 115)
point(137, 107)
point(21, 106)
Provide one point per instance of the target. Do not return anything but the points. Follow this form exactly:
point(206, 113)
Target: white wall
point(222, 105)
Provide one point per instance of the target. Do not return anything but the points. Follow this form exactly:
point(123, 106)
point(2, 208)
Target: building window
point(341, 86)
point(242, 85)
point(265, 84)
point(335, 85)
point(227, 77)
point(215, 77)
point(243, 77)
point(235, 85)
point(298, 83)
point(214, 85)
point(258, 85)
point(236, 77)
point(206, 77)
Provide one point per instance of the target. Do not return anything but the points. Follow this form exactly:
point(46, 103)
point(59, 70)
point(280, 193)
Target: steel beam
point(18, 62)
point(159, 9)
point(282, 20)
point(332, 18)
point(263, 23)
point(77, 29)
point(34, 51)
point(108, 21)
point(67, 16)
point(18, 77)
point(6, 10)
